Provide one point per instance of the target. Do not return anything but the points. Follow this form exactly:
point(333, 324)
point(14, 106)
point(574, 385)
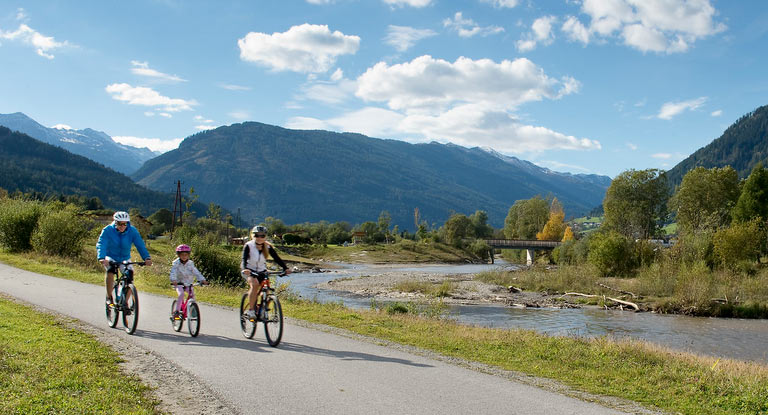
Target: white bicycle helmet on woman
point(121, 216)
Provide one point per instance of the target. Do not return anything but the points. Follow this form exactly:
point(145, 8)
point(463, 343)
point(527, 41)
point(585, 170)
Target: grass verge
point(46, 367)
point(647, 374)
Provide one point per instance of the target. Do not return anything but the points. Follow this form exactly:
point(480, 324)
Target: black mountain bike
point(268, 312)
point(125, 297)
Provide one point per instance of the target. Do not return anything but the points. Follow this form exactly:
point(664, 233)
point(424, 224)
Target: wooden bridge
point(529, 246)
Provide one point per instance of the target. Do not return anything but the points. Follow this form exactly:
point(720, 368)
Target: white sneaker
point(250, 314)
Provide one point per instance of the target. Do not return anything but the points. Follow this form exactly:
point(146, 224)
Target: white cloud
point(165, 114)
point(140, 95)
point(371, 121)
point(427, 83)
point(541, 33)
point(337, 75)
point(716, 113)
point(502, 3)
point(632, 146)
point(200, 118)
point(329, 92)
point(21, 14)
point(143, 69)
point(671, 109)
point(154, 144)
point(412, 3)
point(305, 48)
point(575, 30)
point(663, 156)
point(62, 127)
point(149, 113)
point(558, 166)
point(468, 27)
point(233, 87)
point(204, 127)
point(26, 35)
point(661, 26)
point(467, 102)
point(403, 38)
point(240, 115)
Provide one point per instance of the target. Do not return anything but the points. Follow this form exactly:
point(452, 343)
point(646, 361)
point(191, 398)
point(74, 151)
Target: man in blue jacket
point(115, 245)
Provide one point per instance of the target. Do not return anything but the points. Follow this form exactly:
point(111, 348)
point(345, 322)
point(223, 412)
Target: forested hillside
point(300, 175)
point(742, 146)
point(29, 165)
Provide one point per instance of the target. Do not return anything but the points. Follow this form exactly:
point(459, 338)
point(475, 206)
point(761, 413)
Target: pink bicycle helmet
point(183, 248)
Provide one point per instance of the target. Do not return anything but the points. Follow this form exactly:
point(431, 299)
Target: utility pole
point(178, 208)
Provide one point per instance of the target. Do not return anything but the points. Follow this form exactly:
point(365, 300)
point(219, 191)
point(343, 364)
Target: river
point(720, 337)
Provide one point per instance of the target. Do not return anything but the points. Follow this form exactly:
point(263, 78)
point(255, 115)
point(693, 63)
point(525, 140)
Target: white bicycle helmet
point(259, 229)
point(121, 217)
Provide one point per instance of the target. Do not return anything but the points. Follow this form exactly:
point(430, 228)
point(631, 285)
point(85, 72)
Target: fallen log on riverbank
point(616, 300)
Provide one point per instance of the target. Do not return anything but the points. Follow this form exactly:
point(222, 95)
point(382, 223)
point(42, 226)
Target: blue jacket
point(117, 245)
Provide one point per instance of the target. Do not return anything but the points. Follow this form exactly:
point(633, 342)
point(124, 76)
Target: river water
point(732, 338)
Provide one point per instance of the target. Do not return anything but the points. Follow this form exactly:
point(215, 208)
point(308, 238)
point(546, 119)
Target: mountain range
point(741, 146)
point(303, 175)
point(30, 165)
point(95, 145)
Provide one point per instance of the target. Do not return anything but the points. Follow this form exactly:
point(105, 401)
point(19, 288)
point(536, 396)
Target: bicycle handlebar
point(282, 273)
point(142, 263)
point(194, 284)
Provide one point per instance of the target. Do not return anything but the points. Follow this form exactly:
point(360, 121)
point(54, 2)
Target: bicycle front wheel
point(193, 317)
point(111, 310)
point(177, 323)
point(131, 309)
point(273, 320)
point(248, 326)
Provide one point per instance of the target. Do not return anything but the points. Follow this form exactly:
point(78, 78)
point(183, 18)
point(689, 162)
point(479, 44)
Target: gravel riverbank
point(464, 289)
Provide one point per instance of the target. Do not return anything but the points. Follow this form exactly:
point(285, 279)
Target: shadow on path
point(347, 355)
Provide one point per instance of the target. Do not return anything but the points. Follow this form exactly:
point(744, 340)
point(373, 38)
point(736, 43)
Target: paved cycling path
point(310, 372)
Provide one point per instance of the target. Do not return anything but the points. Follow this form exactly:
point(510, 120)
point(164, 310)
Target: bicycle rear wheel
point(273, 322)
point(177, 324)
point(111, 310)
point(248, 326)
point(193, 317)
point(131, 309)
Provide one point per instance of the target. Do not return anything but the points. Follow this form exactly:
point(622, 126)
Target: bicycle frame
point(185, 301)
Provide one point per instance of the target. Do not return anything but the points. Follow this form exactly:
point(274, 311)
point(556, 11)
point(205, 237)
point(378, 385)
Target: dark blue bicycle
point(126, 298)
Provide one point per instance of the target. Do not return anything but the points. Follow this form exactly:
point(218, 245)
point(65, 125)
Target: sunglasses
point(259, 235)
point(122, 224)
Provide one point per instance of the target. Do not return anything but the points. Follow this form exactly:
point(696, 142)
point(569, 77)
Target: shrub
point(694, 247)
point(18, 219)
point(571, 252)
point(611, 253)
point(741, 242)
point(61, 232)
point(293, 239)
point(184, 234)
point(479, 249)
point(216, 263)
point(695, 286)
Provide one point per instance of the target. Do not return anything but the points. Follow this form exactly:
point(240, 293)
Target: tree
point(161, 220)
point(458, 227)
point(705, 198)
point(384, 221)
point(636, 203)
point(568, 234)
point(214, 211)
point(753, 201)
point(526, 218)
point(479, 221)
point(555, 226)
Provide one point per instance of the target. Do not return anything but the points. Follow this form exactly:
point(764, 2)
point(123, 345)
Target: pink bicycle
point(188, 311)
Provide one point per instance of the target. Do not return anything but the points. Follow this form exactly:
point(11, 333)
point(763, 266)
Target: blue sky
point(584, 86)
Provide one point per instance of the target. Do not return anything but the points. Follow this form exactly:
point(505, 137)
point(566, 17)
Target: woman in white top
point(254, 264)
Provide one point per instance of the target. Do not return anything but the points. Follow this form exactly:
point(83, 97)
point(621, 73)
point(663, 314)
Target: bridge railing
point(522, 243)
